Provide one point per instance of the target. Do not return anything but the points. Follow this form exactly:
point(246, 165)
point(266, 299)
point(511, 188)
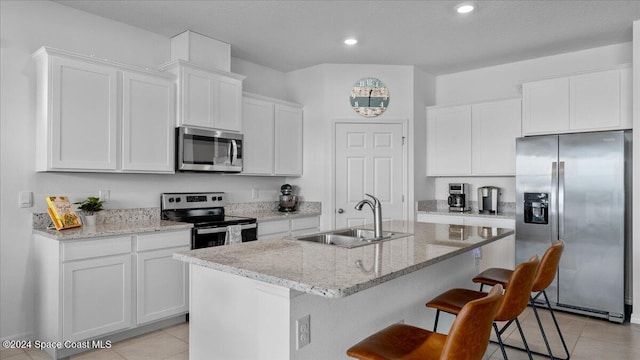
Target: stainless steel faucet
point(377, 214)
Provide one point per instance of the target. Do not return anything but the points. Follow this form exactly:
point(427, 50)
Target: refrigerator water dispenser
point(536, 208)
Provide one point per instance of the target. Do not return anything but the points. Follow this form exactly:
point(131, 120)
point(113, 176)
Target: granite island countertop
point(336, 272)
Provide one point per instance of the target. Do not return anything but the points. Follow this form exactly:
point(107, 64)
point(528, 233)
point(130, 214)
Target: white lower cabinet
point(162, 282)
point(500, 253)
point(94, 287)
point(271, 229)
point(96, 296)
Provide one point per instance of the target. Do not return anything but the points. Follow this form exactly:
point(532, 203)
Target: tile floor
point(586, 338)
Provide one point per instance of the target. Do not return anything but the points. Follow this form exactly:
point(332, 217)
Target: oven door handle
point(211, 231)
point(223, 229)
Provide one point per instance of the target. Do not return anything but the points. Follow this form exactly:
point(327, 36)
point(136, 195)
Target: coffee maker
point(488, 199)
point(457, 200)
point(288, 201)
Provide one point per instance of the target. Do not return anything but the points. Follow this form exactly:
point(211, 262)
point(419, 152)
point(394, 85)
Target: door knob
point(340, 211)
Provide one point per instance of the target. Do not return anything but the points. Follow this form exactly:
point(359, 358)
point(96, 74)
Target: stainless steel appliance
point(206, 212)
point(208, 150)
point(288, 201)
point(457, 200)
point(577, 187)
point(488, 200)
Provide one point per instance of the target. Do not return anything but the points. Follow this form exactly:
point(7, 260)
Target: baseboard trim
point(635, 318)
point(23, 336)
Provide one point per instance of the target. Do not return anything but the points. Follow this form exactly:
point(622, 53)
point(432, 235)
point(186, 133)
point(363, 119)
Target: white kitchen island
point(246, 300)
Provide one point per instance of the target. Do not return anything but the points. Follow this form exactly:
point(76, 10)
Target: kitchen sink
point(350, 238)
point(361, 233)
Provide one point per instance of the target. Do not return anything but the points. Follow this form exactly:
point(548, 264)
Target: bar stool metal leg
point(555, 322)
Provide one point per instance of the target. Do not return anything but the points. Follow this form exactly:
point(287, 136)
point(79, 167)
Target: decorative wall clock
point(369, 97)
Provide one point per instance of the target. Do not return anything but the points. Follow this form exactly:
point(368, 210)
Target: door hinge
point(402, 197)
point(403, 139)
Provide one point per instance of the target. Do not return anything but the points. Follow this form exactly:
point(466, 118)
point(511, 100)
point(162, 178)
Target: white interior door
point(369, 159)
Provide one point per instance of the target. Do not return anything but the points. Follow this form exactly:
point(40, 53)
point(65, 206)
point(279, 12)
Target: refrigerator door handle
point(553, 216)
point(561, 200)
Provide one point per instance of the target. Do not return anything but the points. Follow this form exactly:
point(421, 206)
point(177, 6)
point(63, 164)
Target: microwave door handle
point(230, 152)
point(234, 151)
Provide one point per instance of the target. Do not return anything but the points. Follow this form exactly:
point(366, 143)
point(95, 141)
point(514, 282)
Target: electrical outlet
point(303, 331)
point(104, 195)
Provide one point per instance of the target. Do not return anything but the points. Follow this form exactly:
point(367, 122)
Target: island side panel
point(233, 317)
point(337, 324)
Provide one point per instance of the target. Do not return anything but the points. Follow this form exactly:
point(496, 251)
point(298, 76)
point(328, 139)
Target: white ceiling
point(290, 35)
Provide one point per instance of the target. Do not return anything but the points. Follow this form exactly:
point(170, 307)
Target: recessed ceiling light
point(464, 8)
point(351, 41)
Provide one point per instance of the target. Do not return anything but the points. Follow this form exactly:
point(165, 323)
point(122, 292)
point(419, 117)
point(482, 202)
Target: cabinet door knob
point(340, 211)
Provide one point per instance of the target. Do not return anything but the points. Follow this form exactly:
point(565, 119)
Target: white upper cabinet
point(545, 106)
point(272, 132)
point(288, 140)
point(449, 140)
point(258, 131)
point(207, 98)
point(77, 115)
point(99, 116)
point(477, 139)
point(495, 127)
point(586, 102)
point(148, 135)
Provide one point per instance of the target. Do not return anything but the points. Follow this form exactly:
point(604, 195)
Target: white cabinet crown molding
point(45, 50)
point(576, 73)
point(182, 63)
point(270, 99)
point(444, 106)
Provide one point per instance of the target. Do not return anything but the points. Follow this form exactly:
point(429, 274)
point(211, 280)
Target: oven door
point(215, 236)
point(208, 150)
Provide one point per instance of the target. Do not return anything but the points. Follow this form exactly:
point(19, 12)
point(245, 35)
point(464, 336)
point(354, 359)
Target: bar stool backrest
point(518, 290)
point(469, 335)
point(548, 267)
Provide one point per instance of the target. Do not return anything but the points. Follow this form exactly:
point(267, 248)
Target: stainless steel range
point(206, 212)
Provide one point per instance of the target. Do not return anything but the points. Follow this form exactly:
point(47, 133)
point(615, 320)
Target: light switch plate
point(25, 199)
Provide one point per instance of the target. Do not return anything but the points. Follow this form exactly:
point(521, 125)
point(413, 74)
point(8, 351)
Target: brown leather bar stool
point(467, 339)
point(514, 300)
point(545, 274)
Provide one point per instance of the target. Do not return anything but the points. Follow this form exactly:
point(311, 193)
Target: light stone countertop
point(510, 216)
point(333, 272)
point(271, 215)
point(112, 229)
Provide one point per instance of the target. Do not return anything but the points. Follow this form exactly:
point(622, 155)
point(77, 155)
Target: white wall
point(424, 95)
point(504, 81)
point(324, 90)
point(26, 26)
point(635, 316)
point(260, 79)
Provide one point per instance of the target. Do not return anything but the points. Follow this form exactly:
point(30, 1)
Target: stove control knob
point(219, 198)
point(213, 198)
point(170, 200)
point(178, 200)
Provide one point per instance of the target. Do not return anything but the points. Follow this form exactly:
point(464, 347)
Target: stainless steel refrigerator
point(577, 187)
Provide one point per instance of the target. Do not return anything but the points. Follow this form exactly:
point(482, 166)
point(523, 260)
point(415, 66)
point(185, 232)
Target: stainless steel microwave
point(208, 150)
